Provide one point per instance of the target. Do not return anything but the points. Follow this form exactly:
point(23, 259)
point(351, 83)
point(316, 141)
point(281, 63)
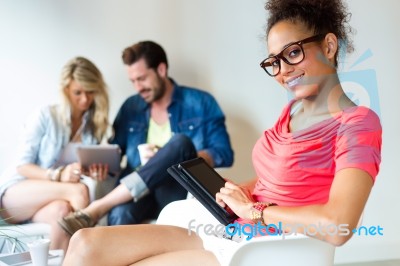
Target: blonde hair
point(90, 78)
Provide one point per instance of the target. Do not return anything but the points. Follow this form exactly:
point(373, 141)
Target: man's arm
point(217, 145)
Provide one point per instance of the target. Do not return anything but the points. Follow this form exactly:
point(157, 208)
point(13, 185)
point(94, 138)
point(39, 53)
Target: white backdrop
point(213, 45)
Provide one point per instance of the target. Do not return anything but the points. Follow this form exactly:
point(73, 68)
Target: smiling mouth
point(144, 92)
point(294, 82)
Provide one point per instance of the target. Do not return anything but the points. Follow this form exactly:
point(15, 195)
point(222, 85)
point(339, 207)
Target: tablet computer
point(100, 154)
point(203, 182)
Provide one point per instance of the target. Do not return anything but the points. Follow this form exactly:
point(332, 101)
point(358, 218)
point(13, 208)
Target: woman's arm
point(69, 173)
point(348, 195)
point(33, 171)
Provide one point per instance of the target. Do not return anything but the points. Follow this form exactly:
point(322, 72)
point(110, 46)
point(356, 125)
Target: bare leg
point(195, 257)
point(20, 207)
point(127, 244)
point(100, 207)
point(50, 214)
point(50, 201)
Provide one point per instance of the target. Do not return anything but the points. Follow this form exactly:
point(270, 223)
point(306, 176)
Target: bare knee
point(83, 246)
point(52, 212)
point(79, 196)
point(83, 191)
point(61, 208)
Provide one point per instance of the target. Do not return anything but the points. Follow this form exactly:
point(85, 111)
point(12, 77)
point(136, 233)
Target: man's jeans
point(163, 188)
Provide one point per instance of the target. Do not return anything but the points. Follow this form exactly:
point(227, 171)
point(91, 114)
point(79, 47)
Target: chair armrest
point(25, 230)
point(13, 237)
point(297, 250)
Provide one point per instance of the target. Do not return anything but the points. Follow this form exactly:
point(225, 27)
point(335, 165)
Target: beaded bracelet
point(49, 173)
point(56, 174)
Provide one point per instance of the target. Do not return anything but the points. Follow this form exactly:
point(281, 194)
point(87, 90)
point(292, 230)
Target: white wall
point(214, 45)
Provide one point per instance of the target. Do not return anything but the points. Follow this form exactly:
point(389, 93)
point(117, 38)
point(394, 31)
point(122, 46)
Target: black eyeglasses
point(293, 54)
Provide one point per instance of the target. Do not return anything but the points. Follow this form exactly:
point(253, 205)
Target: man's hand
point(206, 157)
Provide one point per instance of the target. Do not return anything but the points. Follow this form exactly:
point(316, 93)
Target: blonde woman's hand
point(71, 173)
point(238, 199)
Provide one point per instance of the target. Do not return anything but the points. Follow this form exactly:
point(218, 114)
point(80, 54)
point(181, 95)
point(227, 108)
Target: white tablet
point(100, 154)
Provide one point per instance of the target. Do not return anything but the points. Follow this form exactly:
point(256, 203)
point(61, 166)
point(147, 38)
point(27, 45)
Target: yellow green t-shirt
point(159, 134)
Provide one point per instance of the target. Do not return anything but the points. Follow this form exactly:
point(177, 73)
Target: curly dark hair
point(321, 16)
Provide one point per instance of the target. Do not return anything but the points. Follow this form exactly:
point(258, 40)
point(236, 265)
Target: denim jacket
point(192, 112)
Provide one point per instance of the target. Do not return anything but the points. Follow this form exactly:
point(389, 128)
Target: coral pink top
point(298, 168)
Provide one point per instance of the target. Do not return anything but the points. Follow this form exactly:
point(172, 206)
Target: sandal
point(75, 221)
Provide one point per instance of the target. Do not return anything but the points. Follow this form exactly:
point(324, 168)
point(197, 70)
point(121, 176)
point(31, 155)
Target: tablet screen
point(205, 175)
point(204, 183)
point(100, 154)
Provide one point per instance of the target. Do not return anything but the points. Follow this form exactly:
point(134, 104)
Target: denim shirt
point(43, 139)
point(192, 112)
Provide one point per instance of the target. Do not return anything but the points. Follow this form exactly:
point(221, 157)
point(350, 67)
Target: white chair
point(296, 250)
point(299, 250)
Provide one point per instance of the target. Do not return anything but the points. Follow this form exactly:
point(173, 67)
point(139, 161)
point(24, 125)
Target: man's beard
point(159, 91)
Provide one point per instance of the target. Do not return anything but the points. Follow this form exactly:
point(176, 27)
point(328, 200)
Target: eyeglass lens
point(293, 54)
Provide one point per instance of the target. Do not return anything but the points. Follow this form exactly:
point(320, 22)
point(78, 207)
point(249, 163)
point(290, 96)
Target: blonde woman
point(45, 170)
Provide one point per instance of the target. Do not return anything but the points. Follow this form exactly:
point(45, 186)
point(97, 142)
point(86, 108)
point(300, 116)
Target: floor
point(374, 263)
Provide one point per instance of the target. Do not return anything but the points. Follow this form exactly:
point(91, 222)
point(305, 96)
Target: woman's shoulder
point(362, 122)
point(361, 115)
point(47, 111)
point(290, 108)
point(44, 114)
